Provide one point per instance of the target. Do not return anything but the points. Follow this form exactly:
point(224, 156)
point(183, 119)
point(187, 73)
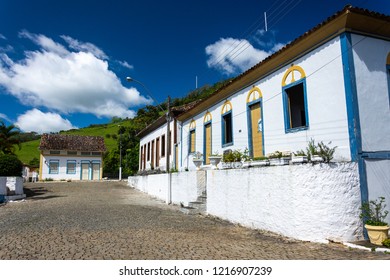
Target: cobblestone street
point(109, 220)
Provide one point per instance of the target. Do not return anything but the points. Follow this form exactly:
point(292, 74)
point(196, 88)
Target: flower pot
point(316, 158)
point(377, 233)
point(279, 161)
point(197, 163)
point(214, 161)
point(299, 159)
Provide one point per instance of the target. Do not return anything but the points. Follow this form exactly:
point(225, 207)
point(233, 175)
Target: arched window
point(295, 99)
point(191, 145)
point(227, 124)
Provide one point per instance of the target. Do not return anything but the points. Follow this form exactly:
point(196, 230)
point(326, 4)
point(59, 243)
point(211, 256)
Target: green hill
point(30, 150)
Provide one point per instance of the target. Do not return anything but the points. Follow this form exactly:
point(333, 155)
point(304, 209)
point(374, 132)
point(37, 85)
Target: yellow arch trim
point(206, 119)
point(226, 104)
point(192, 124)
point(291, 70)
point(248, 98)
point(388, 59)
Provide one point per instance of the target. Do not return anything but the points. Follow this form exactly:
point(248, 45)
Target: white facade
point(153, 148)
point(326, 109)
point(70, 167)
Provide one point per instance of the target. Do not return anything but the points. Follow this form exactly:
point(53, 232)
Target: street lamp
point(130, 79)
point(120, 152)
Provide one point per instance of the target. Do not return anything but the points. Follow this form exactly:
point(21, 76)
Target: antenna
point(265, 20)
point(196, 82)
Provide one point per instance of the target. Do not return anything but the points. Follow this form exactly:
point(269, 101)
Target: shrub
point(386, 243)
point(326, 152)
point(10, 165)
point(374, 213)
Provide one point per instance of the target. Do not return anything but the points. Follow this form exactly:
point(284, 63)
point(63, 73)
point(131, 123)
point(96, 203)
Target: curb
point(375, 249)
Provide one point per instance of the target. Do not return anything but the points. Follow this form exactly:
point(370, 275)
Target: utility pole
point(168, 116)
point(120, 153)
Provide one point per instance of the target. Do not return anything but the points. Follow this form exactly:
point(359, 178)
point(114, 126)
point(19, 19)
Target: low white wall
point(15, 184)
point(186, 186)
point(313, 203)
point(308, 202)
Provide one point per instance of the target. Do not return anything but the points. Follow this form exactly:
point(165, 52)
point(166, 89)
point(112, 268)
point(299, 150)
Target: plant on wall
point(320, 149)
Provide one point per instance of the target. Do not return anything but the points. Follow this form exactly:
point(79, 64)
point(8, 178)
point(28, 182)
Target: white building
point(332, 84)
point(71, 157)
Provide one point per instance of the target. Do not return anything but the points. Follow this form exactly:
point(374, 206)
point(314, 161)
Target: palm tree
point(9, 137)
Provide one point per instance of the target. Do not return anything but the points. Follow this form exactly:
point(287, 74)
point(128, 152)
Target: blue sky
point(63, 64)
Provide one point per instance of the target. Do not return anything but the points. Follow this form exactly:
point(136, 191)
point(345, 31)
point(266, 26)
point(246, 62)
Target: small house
point(71, 157)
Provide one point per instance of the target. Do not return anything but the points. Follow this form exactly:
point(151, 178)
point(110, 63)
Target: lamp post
point(120, 152)
point(130, 79)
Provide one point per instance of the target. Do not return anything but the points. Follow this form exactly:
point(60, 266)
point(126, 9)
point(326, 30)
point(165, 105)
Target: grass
point(30, 149)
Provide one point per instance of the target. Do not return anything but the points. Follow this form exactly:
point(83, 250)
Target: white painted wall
point(62, 175)
point(162, 130)
point(186, 186)
point(369, 55)
point(314, 203)
point(307, 202)
point(326, 110)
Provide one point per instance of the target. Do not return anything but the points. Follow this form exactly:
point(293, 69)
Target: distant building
point(71, 157)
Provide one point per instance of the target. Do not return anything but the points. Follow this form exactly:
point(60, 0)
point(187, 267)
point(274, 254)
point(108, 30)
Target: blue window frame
point(295, 106)
point(227, 129)
point(71, 167)
point(388, 78)
point(54, 166)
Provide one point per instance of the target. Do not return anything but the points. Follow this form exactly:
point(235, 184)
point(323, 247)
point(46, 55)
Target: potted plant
point(197, 160)
point(214, 158)
point(373, 215)
point(260, 161)
point(279, 158)
point(299, 157)
point(233, 159)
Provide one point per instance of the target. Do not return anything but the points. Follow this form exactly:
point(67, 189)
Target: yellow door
point(257, 130)
point(207, 142)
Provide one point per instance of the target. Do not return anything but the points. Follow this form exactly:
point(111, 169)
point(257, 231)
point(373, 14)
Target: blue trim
point(223, 138)
point(58, 166)
point(351, 96)
point(204, 140)
point(89, 169)
point(363, 186)
point(181, 145)
point(388, 79)
point(67, 166)
point(249, 124)
point(286, 107)
point(376, 155)
point(189, 141)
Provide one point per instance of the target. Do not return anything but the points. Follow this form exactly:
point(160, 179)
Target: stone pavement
point(109, 220)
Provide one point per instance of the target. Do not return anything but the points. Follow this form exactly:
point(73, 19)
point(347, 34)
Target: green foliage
point(9, 138)
point(326, 152)
point(386, 243)
point(320, 149)
point(34, 162)
point(235, 156)
point(300, 153)
point(373, 212)
point(311, 149)
point(10, 165)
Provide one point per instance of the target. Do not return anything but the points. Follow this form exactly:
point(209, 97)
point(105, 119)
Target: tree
point(9, 137)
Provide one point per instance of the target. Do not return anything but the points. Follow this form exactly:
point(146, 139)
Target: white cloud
point(66, 81)
point(84, 47)
point(232, 55)
point(4, 117)
point(36, 120)
point(126, 65)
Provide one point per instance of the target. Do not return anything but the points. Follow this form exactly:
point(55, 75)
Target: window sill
point(227, 145)
point(297, 129)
